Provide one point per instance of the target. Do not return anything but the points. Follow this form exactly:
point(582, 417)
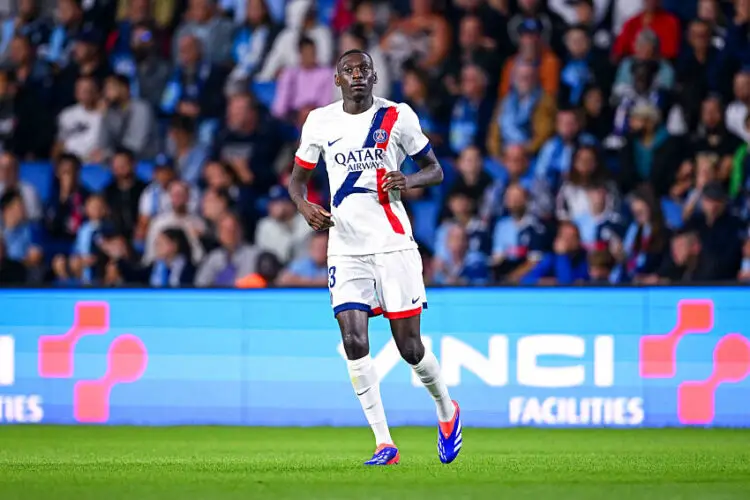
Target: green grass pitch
point(217, 463)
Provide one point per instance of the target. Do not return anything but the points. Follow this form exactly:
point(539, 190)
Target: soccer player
point(374, 266)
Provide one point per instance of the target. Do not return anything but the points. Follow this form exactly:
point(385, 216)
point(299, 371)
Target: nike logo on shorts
point(331, 143)
point(414, 301)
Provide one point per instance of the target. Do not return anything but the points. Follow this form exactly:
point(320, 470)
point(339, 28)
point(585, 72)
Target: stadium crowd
point(583, 141)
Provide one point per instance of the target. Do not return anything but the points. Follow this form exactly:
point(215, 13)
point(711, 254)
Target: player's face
point(356, 76)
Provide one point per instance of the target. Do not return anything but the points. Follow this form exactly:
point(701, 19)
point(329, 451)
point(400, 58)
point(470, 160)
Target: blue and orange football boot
point(449, 437)
point(386, 454)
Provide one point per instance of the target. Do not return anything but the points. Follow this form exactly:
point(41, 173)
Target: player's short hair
point(350, 52)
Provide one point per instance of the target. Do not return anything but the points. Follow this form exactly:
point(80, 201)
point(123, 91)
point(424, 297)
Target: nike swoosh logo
point(331, 143)
point(414, 301)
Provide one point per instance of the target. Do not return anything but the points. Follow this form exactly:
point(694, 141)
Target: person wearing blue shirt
point(17, 232)
point(472, 111)
point(252, 40)
point(462, 210)
point(518, 238)
point(556, 156)
point(565, 265)
point(600, 225)
point(310, 270)
point(461, 266)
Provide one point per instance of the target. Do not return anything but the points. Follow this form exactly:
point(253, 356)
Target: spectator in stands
point(597, 115)
point(196, 86)
point(587, 171)
point(600, 226)
point(310, 270)
point(172, 266)
point(711, 135)
point(423, 37)
point(128, 123)
point(601, 266)
point(79, 127)
point(646, 239)
point(144, 66)
point(248, 143)
point(182, 145)
point(650, 154)
point(686, 261)
point(65, 210)
point(698, 69)
point(222, 176)
point(582, 68)
point(267, 271)
point(706, 172)
point(87, 60)
point(85, 264)
point(301, 20)
point(737, 111)
point(556, 156)
point(303, 85)
point(26, 127)
point(647, 53)
point(548, 23)
point(10, 179)
point(594, 15)
point(178, 216)
point(12, 272)
point(567, 263)
point(472, 111)
point(21, 240)
point(214, 32)
point(283, 232)
point(462, 266)
point(473, 50)
point(737, 49)
point(252, 41)
point(124, 192)
point(30, 71)
point(721, 234)
point(673, 204)
point(216, 203)
point(428, 103)
point(665, 25)
point(355, 39)
point(28, 23)
point(462, 211)
point(69, 23)
point(710, 13)
point(532, 52)
point(232, 261)
point(472, 180)
point(518, 238)
point(525, 116)
point(135, 14)
point(156, 199)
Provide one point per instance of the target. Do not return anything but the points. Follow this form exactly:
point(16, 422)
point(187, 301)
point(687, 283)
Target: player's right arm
point(305, 159)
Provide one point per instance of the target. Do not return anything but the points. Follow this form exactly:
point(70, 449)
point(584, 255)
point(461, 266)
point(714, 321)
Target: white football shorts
point(383, 283)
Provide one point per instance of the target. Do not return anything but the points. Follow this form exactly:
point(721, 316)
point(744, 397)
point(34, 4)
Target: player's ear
point(336, 79)
point(375, 77)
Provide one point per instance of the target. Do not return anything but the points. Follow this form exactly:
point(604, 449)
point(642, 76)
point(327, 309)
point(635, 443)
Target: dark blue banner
point(544, 357)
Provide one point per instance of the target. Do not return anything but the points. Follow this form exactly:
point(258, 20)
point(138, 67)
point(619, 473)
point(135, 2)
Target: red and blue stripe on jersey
point(384, 119)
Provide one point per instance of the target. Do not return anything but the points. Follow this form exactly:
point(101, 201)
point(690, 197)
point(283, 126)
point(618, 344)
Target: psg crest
point(380, 136)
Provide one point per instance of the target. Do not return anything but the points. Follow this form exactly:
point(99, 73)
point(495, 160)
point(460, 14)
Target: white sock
point(428, 371)
point(367, 387)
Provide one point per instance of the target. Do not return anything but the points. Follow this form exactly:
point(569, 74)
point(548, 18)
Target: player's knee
point(411, 349)
point(356, 345)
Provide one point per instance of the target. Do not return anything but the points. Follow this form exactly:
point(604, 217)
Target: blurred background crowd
point(583, 141)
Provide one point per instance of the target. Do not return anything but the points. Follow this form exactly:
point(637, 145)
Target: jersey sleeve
point(413, 140)
point(309, 150)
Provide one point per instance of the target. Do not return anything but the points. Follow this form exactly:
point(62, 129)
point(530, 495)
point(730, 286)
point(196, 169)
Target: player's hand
point(316, 216)
point(395, 181)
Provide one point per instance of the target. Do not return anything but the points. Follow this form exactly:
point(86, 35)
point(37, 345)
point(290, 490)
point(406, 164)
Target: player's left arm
point(417, 146)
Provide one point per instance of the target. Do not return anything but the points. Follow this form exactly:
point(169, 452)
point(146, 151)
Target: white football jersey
point(358, 151)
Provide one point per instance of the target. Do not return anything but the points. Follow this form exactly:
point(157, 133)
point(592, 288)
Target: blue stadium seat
point(95, 177)
point(425, 215)
point(39, 175)
point(265, 92)
point(145, 171)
